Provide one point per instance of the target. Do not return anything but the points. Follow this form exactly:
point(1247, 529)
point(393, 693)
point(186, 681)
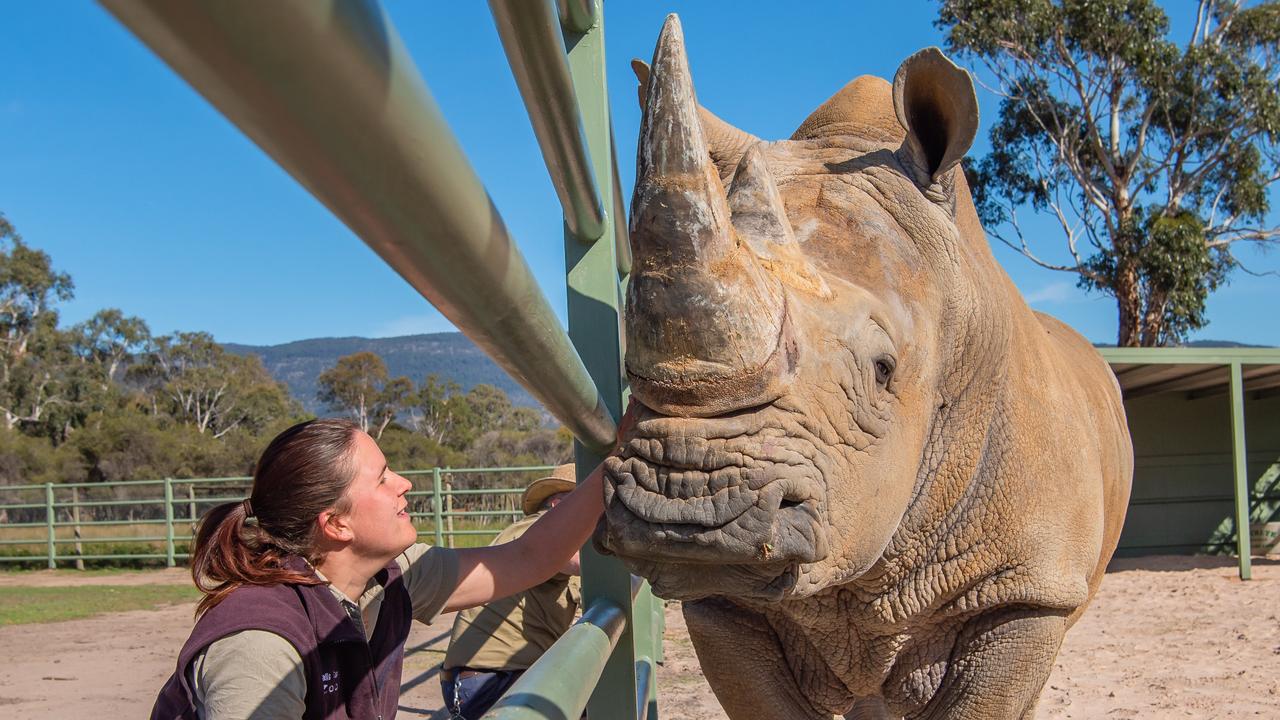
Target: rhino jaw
point(695, 523)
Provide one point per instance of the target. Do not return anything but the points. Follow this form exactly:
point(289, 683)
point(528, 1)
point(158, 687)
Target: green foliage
point(197, 382)
point(358, 386)
point(1154, 157)
point(36, 375)
point(1175, 265)
point(106, 401)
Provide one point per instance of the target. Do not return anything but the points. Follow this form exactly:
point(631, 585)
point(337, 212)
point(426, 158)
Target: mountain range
point(452, 356)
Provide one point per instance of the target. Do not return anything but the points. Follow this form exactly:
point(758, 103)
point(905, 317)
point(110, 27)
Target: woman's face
point(379, 517)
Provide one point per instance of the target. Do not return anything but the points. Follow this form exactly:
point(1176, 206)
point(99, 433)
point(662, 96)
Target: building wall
point(1183, 477)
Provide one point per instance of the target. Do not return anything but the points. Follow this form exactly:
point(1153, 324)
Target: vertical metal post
point(1239, 457)
point(169, 560)
point(75, 527)
point(437, 506)
point(659, 629)
point(191, 507)
point(48, 521)
point(594, 317)
point(448, 510)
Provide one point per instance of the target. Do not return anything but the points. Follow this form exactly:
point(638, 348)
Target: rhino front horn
point(706, 325)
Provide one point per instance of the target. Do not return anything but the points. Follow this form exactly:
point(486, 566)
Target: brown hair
point(304, 471)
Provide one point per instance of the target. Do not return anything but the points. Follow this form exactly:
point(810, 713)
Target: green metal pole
point(327, 89)
point(169, 560)
point(576, 15)
point(1240, 457)
point(594, 327)
point(437, 506)
point(557, 685)
point(48, 521)
point(535, 51)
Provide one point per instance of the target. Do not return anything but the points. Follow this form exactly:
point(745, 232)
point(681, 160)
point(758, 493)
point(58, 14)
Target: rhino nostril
point(789, 503)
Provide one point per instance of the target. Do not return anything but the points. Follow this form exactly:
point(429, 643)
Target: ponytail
point(304, 471)
point(229, 553)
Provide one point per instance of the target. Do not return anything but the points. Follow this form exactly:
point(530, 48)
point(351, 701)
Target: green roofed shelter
point(1199, 416)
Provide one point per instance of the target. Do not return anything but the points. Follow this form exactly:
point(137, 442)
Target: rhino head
point(798, 316)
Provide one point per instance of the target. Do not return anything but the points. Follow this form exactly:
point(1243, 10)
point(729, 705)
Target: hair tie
point(248, 508)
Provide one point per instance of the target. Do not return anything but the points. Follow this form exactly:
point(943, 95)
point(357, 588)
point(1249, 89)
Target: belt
point(462, 673)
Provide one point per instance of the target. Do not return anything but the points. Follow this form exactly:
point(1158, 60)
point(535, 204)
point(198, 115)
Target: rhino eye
point(884, 370)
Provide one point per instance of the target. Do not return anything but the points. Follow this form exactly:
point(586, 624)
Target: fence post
point(75, 518)
point(168, 523)
point(48, 521)
point(191, 507)
point(437, 505)
point(448, 509)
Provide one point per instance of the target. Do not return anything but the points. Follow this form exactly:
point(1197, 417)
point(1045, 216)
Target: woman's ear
point(937, 106)
point(333, 527)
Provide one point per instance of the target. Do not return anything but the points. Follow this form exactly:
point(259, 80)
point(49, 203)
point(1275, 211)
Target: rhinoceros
point(881, 484)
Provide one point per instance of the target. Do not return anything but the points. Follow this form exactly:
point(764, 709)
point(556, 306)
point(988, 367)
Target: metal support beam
point(531, 38)
point(595, 326)
point(1255, 378)
point(576, 16)
point(328, 90)
point(1239, 457)
point(621, 233)
point(557, 686)
point(1194, 380)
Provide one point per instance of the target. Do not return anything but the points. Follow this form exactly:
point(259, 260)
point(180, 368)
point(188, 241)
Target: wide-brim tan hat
point(562, 479)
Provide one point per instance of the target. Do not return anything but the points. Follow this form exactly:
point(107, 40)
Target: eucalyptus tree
point(1155, 157)
point(32, 366)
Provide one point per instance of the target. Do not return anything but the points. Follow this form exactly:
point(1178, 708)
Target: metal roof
point(1197, 372)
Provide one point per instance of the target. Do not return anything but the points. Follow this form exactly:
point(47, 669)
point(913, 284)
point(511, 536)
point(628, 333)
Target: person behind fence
point(492, 645)
point(311, 583)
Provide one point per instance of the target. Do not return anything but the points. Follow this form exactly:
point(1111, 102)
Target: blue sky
point(158, 206)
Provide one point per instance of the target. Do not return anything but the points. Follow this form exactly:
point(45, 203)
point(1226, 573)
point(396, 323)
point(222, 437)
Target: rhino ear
point(936, 104)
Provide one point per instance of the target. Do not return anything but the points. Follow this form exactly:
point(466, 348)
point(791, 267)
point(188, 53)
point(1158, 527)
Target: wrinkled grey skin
point(882, 485)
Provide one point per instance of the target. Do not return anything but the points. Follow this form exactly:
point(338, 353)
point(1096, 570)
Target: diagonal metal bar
point(531, 37)
point(557, 686)
point(328, 90)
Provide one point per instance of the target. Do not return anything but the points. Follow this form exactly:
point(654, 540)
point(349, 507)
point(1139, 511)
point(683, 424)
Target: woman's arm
point(489, 573)
point(250, 674)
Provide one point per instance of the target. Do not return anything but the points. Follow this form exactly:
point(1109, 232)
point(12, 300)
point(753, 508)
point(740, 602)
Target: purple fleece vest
point(347, 678)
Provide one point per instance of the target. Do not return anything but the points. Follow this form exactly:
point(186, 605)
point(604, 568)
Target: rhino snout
point(765, 514)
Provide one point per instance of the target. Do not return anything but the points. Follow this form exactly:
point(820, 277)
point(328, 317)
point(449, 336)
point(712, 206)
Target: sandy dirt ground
point(1166, 638)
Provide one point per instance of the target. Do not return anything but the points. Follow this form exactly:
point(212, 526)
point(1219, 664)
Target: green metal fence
point(327, 89)
point(53, 522)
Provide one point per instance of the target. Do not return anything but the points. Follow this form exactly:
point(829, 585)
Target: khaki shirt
point(258, 674)
point(511, 633)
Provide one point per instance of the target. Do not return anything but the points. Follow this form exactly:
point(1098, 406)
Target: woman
point(311, 583)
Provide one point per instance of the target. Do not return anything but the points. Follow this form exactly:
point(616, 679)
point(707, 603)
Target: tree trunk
point(1152, 327)
point(1129, 305)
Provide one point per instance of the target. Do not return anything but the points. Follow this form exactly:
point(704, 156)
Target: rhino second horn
point(760, 217)
point(704, 321)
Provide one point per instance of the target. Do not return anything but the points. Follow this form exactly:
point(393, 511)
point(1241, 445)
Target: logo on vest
point(329, 682)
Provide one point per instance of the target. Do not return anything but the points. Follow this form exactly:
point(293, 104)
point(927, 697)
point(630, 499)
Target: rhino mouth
point(702, 517)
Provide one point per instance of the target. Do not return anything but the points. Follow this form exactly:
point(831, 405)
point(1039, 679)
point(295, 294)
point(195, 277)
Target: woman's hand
point(486, 574)
point(626, 424)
